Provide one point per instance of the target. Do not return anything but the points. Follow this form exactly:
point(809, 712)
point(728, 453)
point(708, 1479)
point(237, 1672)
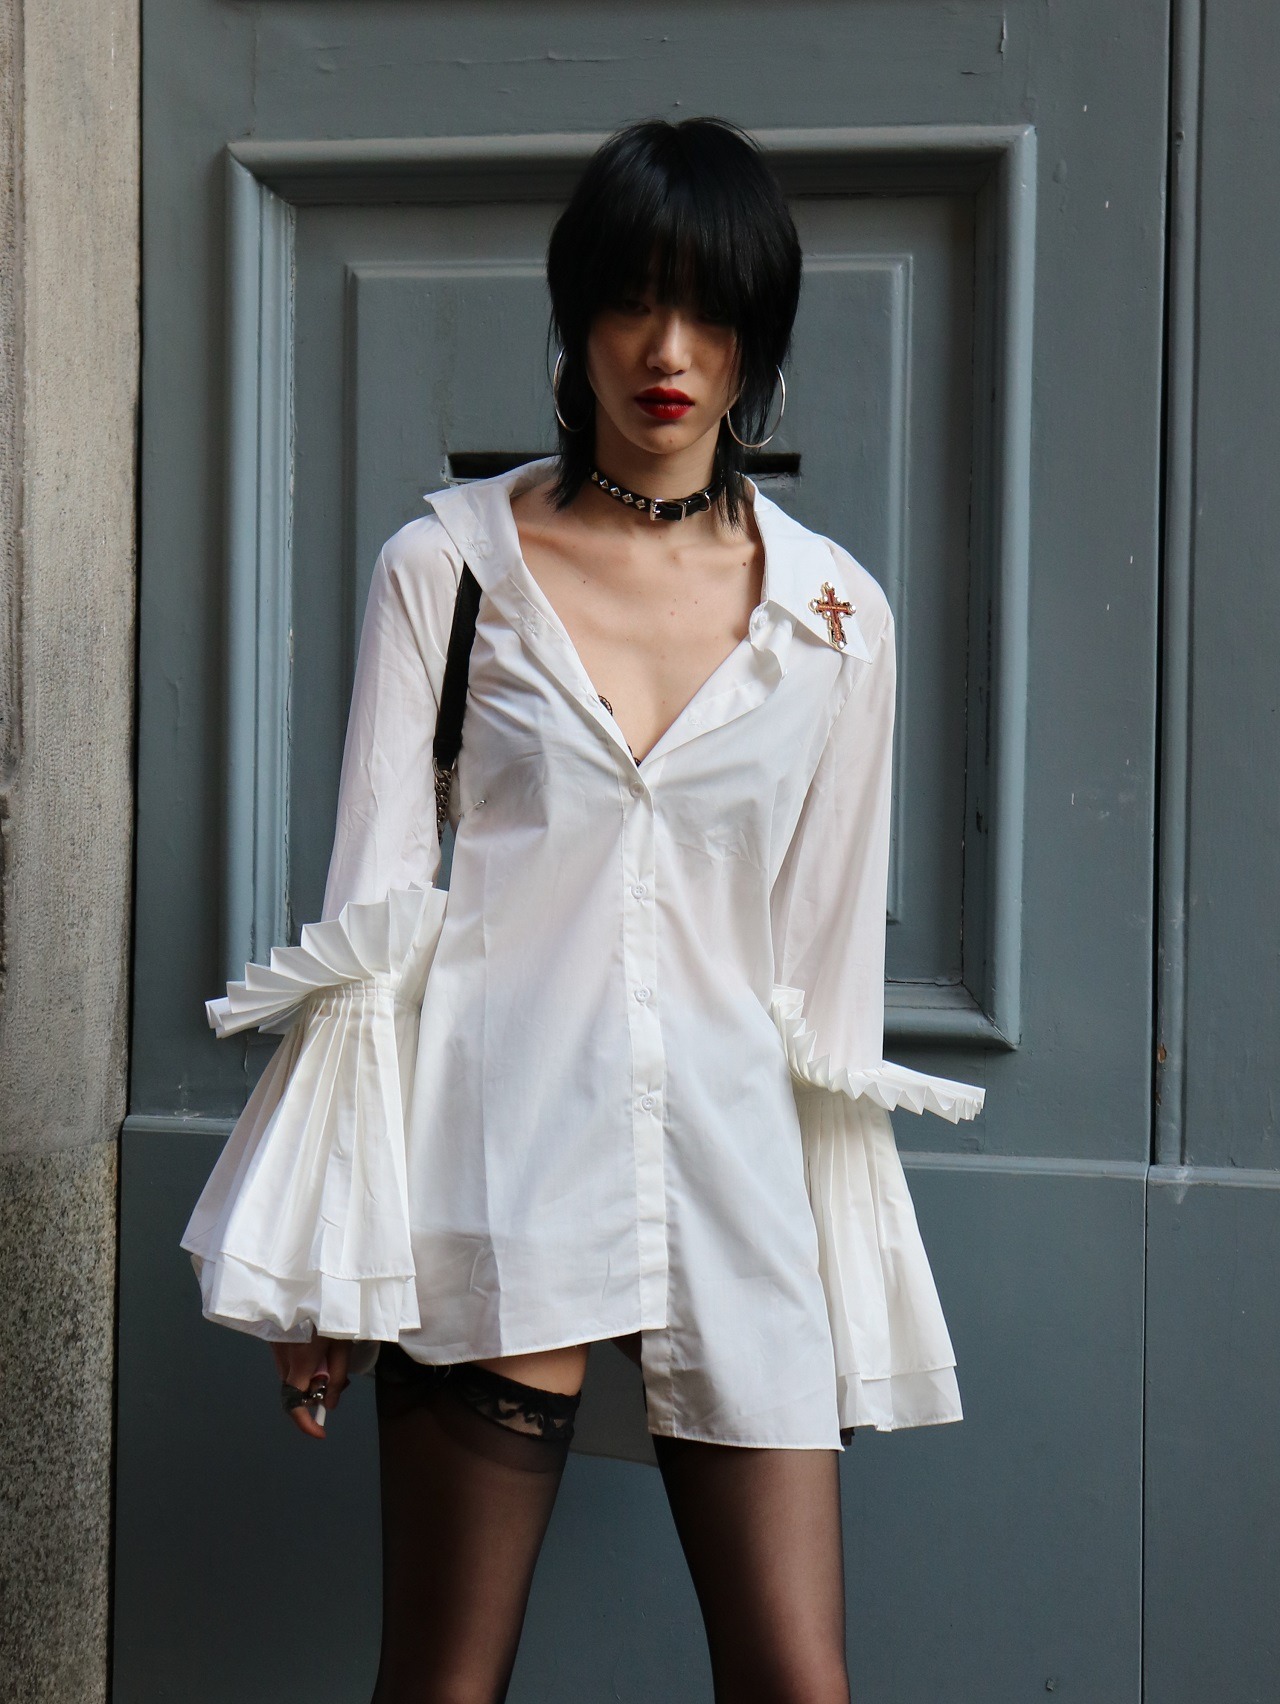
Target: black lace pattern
point(613, 713)
point(522, 1407)
point(511, 1403)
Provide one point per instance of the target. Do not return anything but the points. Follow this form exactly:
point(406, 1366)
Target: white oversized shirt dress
point(626, 1073)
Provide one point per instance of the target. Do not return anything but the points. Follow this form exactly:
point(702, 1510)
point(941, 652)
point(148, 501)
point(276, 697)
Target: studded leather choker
point(660, 508)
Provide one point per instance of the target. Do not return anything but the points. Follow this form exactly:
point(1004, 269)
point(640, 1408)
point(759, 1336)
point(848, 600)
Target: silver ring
point(293, 1396)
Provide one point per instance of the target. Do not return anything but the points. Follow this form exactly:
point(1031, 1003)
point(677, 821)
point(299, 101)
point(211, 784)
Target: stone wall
point(69, 307)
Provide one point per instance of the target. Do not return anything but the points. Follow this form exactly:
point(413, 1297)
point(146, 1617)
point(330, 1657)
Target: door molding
point(266, 182)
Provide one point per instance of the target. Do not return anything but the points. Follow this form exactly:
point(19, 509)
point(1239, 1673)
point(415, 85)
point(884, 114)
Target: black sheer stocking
point(760, 1530)
point(471, 1462)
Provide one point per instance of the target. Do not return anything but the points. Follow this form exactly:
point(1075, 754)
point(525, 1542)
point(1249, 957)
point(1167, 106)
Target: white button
point(637, 788)
point(648, 1102)
point(639, 890)
point(642, 994)
point(757, 620)
point(484, 548)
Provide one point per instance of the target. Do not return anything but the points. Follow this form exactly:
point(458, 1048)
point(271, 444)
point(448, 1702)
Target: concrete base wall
point(69, 354)
point(57, 1308)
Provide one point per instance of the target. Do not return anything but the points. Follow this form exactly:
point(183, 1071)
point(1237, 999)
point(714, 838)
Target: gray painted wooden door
point(346, 206)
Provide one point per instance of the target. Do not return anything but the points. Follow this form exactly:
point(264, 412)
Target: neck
point(655, 475)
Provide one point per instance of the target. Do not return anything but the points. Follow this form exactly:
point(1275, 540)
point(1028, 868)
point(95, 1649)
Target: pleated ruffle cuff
point(391, 940)
point(893, 1355)
point(895, 1365)
point(885, 1084)
point(304, 1222)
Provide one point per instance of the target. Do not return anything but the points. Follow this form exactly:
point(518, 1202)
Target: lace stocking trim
point(511, 1403)
point(522, 1407)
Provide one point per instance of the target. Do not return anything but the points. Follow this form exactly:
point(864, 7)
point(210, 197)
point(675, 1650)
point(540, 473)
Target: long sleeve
point(894, 1358)
point(385, 834)
point(304, 1220)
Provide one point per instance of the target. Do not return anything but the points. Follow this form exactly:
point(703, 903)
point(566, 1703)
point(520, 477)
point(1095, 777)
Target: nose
point(670, 348)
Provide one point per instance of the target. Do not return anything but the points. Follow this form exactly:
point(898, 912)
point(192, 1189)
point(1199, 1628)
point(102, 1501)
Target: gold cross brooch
point(832, 609)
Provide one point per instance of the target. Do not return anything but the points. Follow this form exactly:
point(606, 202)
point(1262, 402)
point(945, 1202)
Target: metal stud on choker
point(660, 508)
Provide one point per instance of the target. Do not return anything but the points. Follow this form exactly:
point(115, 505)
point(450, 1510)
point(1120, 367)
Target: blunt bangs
point(692, 211)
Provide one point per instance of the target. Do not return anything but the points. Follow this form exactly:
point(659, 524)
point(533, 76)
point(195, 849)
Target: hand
point(300, 1364)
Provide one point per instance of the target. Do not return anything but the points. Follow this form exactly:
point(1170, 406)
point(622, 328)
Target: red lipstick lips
point(660, 403)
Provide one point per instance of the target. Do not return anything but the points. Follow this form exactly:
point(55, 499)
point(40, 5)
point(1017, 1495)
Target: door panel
point(431, 323)
point(345, 210)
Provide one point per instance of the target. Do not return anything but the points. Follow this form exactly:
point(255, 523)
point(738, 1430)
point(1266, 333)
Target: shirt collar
point(799, 564)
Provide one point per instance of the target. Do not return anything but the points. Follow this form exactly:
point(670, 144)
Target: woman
point(643, 1098)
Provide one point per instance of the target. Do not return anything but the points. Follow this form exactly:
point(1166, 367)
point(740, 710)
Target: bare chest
point(650, 628)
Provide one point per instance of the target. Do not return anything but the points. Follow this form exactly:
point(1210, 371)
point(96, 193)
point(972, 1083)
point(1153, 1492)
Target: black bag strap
point(453, 691)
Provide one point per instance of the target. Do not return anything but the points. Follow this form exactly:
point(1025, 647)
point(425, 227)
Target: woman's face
point(663, 375)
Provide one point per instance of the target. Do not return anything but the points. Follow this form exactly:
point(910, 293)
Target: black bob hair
point(696, 202)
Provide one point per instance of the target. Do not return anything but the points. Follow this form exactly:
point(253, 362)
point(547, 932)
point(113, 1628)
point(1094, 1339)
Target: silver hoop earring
point(760, 443)
point(555, 395)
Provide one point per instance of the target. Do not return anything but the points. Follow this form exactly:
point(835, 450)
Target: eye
point(714, 314)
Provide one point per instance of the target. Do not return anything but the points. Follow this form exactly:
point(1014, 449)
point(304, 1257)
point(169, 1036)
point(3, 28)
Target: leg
point(559, 1369)
point(548, 1369)
point(760, 1529)
point(471, 1461)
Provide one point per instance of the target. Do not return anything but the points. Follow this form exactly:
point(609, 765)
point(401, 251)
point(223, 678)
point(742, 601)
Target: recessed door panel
point(431, 323)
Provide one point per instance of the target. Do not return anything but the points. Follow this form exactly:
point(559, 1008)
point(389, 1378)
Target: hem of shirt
point(743, 1443)
point(949, 1413)
point(946, 1418)
point(458, 1353)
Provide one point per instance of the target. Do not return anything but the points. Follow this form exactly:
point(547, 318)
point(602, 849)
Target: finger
point(305, 1370)
point(310, 1423)
point(308, 1417)
point(302, 1360)
point(339, 1362)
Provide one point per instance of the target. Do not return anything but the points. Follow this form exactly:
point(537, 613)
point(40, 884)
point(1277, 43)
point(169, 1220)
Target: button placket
point(648, 1063)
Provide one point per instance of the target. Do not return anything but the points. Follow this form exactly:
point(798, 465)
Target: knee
point(445, 1690)
point(827, 1682)
point(441, 1689)
point(817, 1677)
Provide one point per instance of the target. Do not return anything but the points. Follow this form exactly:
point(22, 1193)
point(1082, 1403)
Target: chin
point(666, 436)
point(658, 442)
